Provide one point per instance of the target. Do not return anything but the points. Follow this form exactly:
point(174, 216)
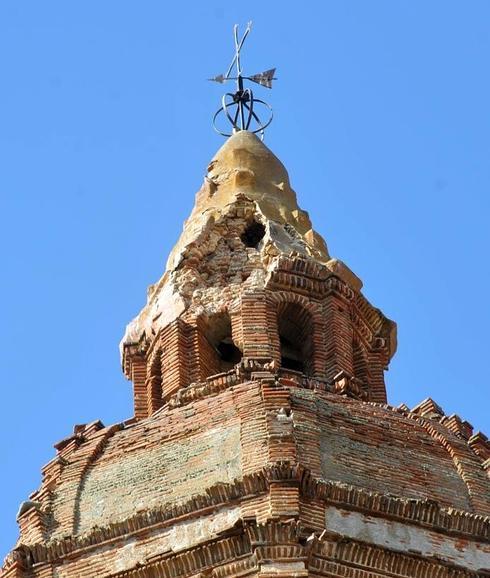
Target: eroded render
point(262, 443)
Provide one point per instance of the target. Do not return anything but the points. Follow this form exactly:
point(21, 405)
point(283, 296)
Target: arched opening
point(228, 353)
point(295, 328)
point(222, 352)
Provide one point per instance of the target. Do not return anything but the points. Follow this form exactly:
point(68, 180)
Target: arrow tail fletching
point(264, 78)
point(220, 78)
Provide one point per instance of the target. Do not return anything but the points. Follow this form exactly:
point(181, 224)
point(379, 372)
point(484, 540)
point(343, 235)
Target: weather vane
point(240, 107)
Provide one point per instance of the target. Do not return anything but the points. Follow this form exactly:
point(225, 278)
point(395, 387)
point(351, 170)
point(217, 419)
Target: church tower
point(262, 444)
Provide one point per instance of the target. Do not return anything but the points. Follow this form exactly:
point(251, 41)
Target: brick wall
point(337, 329)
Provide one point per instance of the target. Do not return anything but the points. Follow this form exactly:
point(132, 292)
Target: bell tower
point(250, 288)
point(262, 443)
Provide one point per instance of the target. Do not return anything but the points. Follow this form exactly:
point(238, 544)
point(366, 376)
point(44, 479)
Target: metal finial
point(239, 107)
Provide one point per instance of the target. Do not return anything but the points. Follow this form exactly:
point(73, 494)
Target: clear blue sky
point(382, 118)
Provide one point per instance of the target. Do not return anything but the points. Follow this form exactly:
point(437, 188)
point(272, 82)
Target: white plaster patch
point(279, 568)
point(183, 535)
point(408, 538)
point(188, 534)
point(137, 550)
point(166, 306)
point(127, 556)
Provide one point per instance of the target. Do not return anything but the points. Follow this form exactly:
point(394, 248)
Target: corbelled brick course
point(261, 442)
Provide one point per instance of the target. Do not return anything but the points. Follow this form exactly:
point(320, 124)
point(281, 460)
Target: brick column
point(255, 326)
point(377, 388)
point(273, 332)
point(176, 351)
point(338, 328)
point(206, 361)
point(138, 377)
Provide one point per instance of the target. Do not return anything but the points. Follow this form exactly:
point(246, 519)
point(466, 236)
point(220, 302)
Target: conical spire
point(245, 168)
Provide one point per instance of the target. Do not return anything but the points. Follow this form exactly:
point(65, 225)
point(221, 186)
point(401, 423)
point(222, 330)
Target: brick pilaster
point(255, 326)
point(138, 377)
point(153, 382)
point(175, 365)
point(338, 335)
point(206, 360)
point(283, 495)
point(32, 526)
point(377, 388)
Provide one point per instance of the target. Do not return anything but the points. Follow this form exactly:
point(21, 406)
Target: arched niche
point(222, 352)
point(295, 330)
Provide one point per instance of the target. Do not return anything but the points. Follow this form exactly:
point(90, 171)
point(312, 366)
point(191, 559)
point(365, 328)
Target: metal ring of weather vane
point(238, 107)
point(244, 113)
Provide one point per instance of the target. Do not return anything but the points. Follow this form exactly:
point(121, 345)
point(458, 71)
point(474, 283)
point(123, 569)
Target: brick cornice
point(423, 513)
point(372, 326)
point(235, 551)
point(468, 465)
point(334, 555)
point(240, 375)
point(243, 552)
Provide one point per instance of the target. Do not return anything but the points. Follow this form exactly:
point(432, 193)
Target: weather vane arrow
point(240, 107)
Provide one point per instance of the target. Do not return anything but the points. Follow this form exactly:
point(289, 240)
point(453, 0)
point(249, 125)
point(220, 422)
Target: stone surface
point(244, 166)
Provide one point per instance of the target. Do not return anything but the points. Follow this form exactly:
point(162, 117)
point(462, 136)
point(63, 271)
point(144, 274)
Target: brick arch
point(308, 319)
point(89, 456)
point(465, 462)
point(219, 347)
point(291, 297)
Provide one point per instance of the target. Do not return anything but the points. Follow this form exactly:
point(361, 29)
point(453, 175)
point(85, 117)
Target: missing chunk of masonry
point(253, 234)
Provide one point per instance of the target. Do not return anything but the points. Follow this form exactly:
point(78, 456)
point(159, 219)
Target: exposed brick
point(261, 442)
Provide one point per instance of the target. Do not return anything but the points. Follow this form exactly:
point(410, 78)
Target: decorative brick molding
point(423, 513)
point(345, 384)
point(334, 555)
point(467, 467)
point(261, 443)
point(256, 549)
point(479, 444)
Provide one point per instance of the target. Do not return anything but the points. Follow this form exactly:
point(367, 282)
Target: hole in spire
point(253, 234)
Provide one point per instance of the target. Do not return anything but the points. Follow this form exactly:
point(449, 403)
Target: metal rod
point(249, 26)
point(240, 108)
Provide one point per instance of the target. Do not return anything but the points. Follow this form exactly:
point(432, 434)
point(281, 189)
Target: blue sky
point(381, 117)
